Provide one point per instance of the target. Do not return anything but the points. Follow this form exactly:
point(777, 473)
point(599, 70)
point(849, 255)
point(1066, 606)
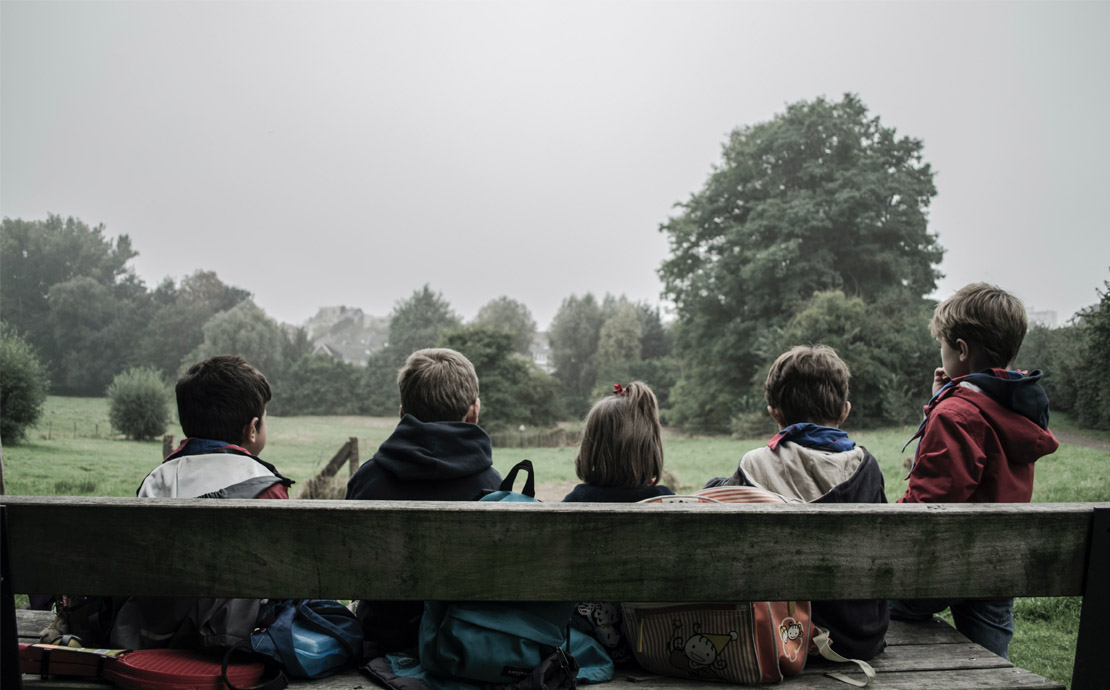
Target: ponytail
point(622, 443)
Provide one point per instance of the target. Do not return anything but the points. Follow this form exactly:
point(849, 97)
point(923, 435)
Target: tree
point(512, 389)
point(822, 197)
point(244, 330)
point(55, 271)
point(574, 336)
point(176, 326)
point(886, 346)
point(24, 383)
point(139, 403)
point(414, 324)
point(1092, 371)
point(620, 337)
point(509, 315)
point(320, 385)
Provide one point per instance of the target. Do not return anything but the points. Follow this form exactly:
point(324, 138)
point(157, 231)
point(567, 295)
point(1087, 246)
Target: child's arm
point(948, 465)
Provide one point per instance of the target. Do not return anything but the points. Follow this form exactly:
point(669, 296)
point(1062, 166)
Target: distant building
point(1046, 318)
point(541, 353)
point(346, 333)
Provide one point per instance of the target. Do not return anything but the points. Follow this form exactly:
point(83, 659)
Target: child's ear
point(250, 431)
point(472, 411)
point(776, 414)
point(844, 414)
point(963, 348)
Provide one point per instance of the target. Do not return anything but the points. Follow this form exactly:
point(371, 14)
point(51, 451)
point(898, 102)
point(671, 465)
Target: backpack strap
point(529, 484)
point(273, 680)
point(821, 641)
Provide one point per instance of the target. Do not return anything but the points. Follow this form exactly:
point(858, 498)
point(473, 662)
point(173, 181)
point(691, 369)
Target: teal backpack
point(503, 642)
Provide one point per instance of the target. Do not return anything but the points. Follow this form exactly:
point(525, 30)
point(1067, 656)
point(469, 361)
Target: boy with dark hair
point(221, 402)
point(812, 460)
point(984, 428)
point(437, 453)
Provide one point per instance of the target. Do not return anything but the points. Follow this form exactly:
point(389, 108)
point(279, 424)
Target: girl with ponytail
point(621, 456)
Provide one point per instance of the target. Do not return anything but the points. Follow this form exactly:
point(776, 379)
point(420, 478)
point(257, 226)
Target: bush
point(138, 402)
point(24, 383)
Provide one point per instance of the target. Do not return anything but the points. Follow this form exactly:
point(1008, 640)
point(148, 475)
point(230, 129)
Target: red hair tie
point(619, 389)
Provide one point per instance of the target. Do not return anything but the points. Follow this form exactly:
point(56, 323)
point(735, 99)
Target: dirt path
point(1078, 439)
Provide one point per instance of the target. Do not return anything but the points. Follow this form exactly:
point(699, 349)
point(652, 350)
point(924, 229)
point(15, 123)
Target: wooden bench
point(477, 551)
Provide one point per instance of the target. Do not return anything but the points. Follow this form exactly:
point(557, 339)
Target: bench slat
point(545, 552)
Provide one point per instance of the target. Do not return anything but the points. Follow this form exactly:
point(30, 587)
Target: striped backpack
point(748, 643)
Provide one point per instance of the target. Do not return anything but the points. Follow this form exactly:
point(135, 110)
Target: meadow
point(73, 452)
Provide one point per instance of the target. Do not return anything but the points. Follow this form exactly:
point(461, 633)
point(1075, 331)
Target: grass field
point(72, 452)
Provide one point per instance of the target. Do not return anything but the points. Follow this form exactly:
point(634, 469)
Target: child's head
point(223, 398)
point(439, 385)
point(991, 323)
point(808, 384)
point(622, 443)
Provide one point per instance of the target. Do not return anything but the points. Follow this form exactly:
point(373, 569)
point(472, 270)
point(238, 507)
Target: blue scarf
point(814, 436)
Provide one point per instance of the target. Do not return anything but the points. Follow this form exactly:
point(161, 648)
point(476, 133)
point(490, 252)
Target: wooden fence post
point(167, 445)
point(352, 454)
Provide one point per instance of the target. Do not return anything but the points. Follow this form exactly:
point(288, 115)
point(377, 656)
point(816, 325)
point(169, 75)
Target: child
point(221, 402)
point(620, 461)
point(984, 428)
point(437, 453)
point(621, 456)
point(812, 460)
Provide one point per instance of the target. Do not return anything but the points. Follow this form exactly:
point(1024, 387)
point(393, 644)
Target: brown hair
point(437, 385)
point(986, 316)
point(808, 384)
point(217, 398)
point(622, 443)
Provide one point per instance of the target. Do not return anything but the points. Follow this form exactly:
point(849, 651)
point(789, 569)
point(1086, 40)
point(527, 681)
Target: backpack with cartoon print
point(748, 642)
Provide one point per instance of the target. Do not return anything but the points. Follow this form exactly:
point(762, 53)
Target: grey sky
point(347, 153)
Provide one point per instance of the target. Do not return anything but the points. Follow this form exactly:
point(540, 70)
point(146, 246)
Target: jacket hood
point(434, 451)
point(806, 474)
point(1021, 393)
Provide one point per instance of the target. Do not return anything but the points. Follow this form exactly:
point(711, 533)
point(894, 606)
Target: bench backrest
point(460, 551)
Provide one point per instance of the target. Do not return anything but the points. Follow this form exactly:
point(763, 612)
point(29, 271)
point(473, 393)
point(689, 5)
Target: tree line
point(812, 228)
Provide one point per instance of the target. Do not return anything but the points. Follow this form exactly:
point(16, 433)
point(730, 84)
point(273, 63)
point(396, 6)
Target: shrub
point(24, 383)
point(138, 402)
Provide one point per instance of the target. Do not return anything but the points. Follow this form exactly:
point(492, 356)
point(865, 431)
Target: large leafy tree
point(180, 313)
point(68, 287)
point(507, 314)
point(512, 389)
point(247, 331)
point(574, 337)
point(415, 323)
point(822, 197)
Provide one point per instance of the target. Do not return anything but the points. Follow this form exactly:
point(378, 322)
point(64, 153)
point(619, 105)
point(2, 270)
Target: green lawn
point(72, 452)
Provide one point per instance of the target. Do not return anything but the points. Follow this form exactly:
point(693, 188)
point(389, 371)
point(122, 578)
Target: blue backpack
point(310, 638)
point(503, 642)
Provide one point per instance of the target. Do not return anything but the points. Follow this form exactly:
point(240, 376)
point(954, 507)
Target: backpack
point(310, 638)
point(740, 642)
point(508, 642)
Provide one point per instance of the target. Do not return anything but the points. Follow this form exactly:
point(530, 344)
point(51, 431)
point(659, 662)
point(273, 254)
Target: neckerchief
point(814, 436)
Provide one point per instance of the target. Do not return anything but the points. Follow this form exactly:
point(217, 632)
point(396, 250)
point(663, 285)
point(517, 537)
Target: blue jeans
point(986, 622)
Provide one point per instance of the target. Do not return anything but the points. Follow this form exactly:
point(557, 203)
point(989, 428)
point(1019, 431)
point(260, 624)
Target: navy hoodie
point(428, 461)
point(433, 461)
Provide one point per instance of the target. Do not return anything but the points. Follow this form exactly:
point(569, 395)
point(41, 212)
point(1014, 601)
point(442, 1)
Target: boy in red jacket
point(984, 428)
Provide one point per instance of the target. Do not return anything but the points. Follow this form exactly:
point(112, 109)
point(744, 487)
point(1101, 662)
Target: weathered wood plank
point(352, 549)
point(1089, 670)
point(935, 631)
point(416, 550)
point(980, 679)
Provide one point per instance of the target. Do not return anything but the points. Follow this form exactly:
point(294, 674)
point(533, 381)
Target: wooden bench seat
point(526, 552)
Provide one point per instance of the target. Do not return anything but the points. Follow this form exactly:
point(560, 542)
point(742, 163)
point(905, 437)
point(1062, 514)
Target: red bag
point(147, 669)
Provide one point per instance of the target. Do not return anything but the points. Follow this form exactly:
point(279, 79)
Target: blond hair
point(986, 316)
point(808, 384)
point(622, 443)
point(437, 385)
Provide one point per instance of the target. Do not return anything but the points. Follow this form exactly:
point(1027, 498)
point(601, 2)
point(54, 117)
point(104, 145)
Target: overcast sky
point(347, 153)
